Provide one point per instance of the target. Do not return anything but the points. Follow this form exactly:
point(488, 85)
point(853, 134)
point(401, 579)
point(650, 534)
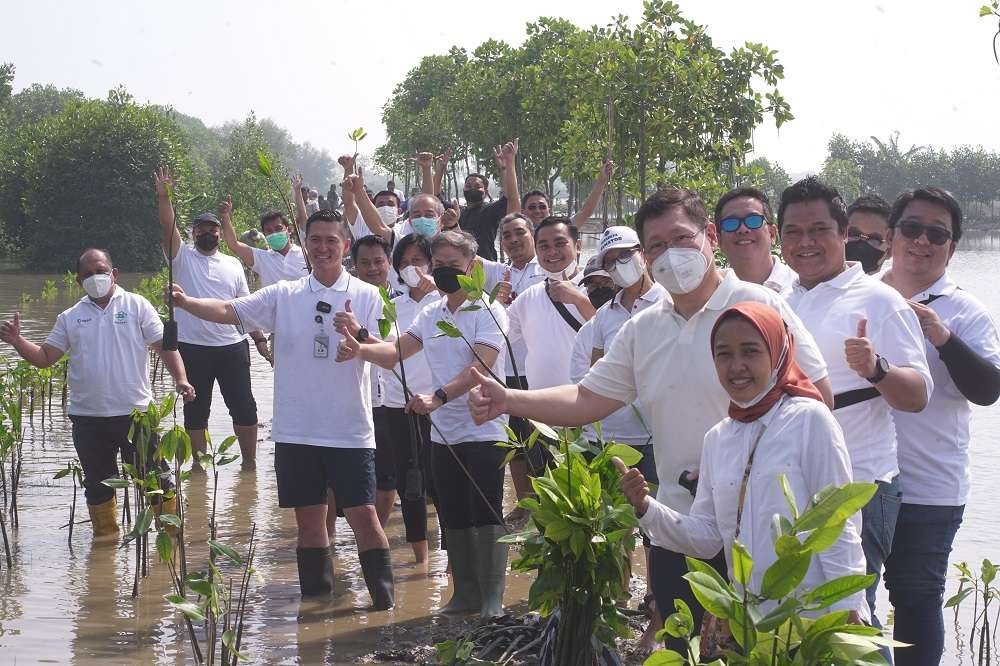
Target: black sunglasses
point(913, 230)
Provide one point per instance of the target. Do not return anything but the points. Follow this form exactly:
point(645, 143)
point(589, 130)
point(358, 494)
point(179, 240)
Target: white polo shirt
point(934, 444)
point(317, 401)
point(782, 278)
point(621, 426)
point(273, 266)
point(612, 316)
point(108, 370)
point(520, 280)
point(831, 311)
point(208, 276)
point(418, 373)
point(447, 357)
point(546, 335)
point(664, 363)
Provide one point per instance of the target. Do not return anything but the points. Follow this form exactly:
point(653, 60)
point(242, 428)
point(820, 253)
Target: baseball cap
point(594, 269)
point(616, 237)
point(206, 218)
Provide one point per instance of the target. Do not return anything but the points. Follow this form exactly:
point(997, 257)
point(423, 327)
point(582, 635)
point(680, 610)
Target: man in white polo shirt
point(747, 232)
point(323, 431)
point(871, 342)
point(661, 359)
point(282, 260)
point(963, 352)
point(107, 333)
point(211, 352)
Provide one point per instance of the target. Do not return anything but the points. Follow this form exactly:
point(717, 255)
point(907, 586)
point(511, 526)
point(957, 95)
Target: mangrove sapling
point(266, 169)
point(984, 592)
point(73, 469)
point(11, 435)
point(358, 135)
point(778, 624)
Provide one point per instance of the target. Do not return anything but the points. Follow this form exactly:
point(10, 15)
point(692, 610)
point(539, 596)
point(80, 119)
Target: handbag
point(716, 635)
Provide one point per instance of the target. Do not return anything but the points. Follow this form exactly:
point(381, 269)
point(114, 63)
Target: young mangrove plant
point(74, 470)
point(779, 624)
point(266, 169)
point(11, 437)
point(984, 592)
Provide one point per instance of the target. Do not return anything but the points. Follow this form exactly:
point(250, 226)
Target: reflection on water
point(72, 603)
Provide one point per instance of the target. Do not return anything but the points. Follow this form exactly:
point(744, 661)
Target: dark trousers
point(408, 455)
point(460, 504)
point(98, 440)
point(230, 366)
point(666, 569)
point(915, 575)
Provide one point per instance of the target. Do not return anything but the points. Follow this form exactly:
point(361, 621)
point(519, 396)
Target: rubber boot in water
point(104, 519)
point(315, 571)
point(167, 506)
point(377, 570)
point(492, 569)
point(462, 559)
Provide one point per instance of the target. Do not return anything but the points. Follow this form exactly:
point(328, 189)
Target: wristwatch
point(441, 395)
point(362, 334)
point(881, 369)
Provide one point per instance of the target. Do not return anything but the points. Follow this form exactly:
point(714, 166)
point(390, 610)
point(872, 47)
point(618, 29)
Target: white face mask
point(98, 285)
point(411, 276)
point(681, 269)
point(770, 384)
point(568, 272)
point(626, 275)
point(388, 214)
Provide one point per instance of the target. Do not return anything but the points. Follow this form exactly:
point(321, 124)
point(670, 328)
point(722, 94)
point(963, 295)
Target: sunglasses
point(913, 230)
point(732, 224)
point(875, 240)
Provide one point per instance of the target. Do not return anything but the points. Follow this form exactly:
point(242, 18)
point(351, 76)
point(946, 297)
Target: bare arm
point(209, 309)
point(383, 354)
point(903, 388)
point(595, 355)
point(170, 238)
point(590, 205)
point(300, 204)
point(368, 212)
point(440, 167)
point(40, 356)
point(825, 389)
point(239, 248)
point(567, 405)
point(506, 157)
point(351, 210)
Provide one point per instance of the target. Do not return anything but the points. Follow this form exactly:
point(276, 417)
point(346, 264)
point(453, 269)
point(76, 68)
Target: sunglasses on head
point(913, 230)
point(732, 224)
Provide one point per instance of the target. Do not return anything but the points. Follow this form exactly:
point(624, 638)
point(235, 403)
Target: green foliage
point(770, 178)
point(780, 624)
point(985, 593)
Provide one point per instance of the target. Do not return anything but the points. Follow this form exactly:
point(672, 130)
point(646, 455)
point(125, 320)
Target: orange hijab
point(790, 378)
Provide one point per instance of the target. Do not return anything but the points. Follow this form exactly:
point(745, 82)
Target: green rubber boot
point(492, 569)
point(462, 558)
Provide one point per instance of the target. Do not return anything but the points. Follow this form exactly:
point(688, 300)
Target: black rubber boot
point(377, 570)
point(315, 571)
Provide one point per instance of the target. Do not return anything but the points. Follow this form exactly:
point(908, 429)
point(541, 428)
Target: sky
point(319, 68)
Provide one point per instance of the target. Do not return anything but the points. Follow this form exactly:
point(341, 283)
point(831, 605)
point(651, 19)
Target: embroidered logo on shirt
point(121, 317)
point(83, 321)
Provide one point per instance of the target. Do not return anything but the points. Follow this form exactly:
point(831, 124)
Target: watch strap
point(441, 395)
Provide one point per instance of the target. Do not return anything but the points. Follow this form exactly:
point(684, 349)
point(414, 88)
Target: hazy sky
point(321, 68)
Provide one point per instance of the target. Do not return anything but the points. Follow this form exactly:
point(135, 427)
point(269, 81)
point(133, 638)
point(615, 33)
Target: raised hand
point(564, 291)
point(425, 159)
point(449, 218)
point(426, 284)
point(503, 295)
point(226, 207)
point(347, 320)
point(634, 485)
point(930, 323)
point(298, 182)
point(441, 161)
point(163, 180)
point(349, 348)
point(10, 331)
point(488, 399)
point(607, 170)
point(860, 353)
point(348, 162)
point(355, 184)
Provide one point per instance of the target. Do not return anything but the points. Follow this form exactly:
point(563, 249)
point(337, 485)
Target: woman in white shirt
point(777, 424)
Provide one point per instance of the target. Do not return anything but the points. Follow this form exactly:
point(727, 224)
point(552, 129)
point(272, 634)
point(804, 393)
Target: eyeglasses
point(732, 224)
point(537, 206)
point(875, 240)
point(913, 230)
point(622, 259)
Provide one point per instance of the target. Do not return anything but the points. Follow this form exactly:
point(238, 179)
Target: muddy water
point(71, 603)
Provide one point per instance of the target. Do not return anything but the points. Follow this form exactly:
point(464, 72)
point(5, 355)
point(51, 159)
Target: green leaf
point(786, 489)
point(835, 505)
point(225, 550)
point(170, 519)
point(545, 430)
point(787, 544)
point(449, 329)
point(191, 610)
point(229, 640)
point(471, 308)
point(834, 590)
point(779, 615)
point(784, 575)
point(822, 538)
point(478, 276)
point(164, 546)
point(61, 473)
point(958, 598)
point(985, 10)
point(143, 522)
point(384, 328)
point(665, 658)
point(742, 563)
point(227, 443)
point(628, 455)
point(494, 291)
point(264, 163)
point(717, 598)
point(989, 572)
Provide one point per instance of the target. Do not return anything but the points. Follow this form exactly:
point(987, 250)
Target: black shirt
point(483, 222)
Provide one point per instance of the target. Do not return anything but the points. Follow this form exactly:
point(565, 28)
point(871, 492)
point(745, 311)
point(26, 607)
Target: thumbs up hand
point(346, 320)
point(504, 295)
point(487, 398)
point(349, 348)
point(860, 353)
point(10, 331)
point(634, 485)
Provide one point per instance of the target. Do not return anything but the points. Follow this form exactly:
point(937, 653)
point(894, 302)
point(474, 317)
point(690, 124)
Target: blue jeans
point(915, 577)
point(878, 524)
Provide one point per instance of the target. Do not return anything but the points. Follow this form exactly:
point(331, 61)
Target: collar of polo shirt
point(339, 285)
point(943, 286)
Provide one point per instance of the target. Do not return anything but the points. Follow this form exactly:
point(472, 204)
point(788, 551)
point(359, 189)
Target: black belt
point(848, 398)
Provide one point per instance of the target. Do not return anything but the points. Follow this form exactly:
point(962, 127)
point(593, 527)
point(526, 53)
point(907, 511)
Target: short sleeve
point(514, 314)
point(487, 331)
point(583, 344)
point(259, 256)
point(258, 311)
point(59, 337)
point(613, 376)
point(418, 328)
point(149, 322)
point(807, 353)
point(372, 313)
point(900, 339)
point(241, 285)
point(599, 338)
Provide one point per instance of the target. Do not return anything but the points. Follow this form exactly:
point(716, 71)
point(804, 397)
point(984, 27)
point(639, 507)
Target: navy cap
point(206, 218)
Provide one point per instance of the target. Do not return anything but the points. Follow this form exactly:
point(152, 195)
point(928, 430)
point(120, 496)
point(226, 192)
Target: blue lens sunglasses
point(732, 224)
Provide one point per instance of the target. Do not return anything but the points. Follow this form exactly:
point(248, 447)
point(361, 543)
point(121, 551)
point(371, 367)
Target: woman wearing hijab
point(777, 424)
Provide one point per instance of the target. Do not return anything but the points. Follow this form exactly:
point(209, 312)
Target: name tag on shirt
point(321, 345)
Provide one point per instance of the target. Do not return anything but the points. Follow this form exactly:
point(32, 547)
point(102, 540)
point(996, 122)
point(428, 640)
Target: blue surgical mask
point(425, 226)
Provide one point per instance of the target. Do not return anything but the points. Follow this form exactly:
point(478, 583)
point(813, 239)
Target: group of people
point(851, 355)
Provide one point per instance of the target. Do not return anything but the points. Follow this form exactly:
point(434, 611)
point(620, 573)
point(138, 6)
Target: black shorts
point(385, 459)
point(230, 366)
point(305, 472)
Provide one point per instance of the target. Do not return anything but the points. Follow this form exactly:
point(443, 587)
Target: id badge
point(321, 346)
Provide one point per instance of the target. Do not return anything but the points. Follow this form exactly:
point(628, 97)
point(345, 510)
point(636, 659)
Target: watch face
point(883, 364)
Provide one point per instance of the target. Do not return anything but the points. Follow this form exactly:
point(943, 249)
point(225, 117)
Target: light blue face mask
point(425, 226)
